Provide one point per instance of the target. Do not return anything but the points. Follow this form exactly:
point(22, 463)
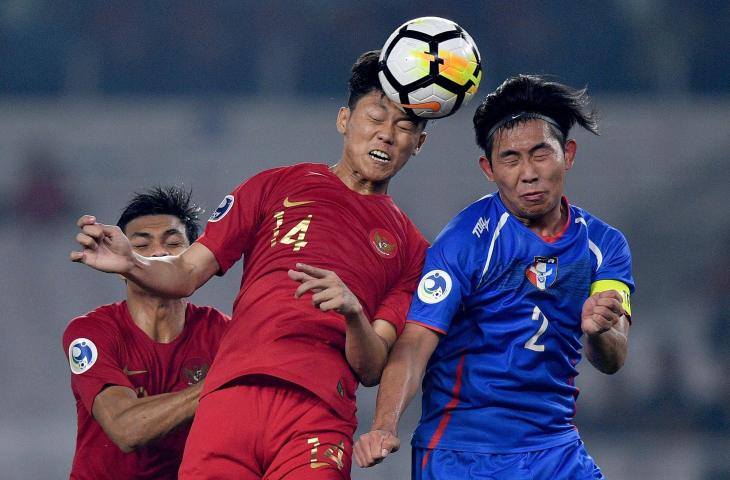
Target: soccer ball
point(430, 67)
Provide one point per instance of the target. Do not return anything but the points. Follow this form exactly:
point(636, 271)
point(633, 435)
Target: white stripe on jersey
point(502, 220)
point(592, 246)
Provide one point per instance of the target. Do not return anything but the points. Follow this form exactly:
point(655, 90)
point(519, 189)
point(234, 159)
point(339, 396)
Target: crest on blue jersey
point(82, 355)
point(223, 209)
point(434, 286)
point(543, 272)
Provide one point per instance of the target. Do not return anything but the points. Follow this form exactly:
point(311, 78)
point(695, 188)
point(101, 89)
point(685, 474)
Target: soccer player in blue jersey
point(514, 287)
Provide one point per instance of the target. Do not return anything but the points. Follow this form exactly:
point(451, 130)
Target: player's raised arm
point(106, 248)
point(399, 384)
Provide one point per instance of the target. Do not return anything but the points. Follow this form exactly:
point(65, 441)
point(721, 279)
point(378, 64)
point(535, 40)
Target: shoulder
point(267, 176)
point(298, 169)
point(599, 231)
point(413, 233)
point(207, 313)
point(206, 317)
point(102, 324)
point(472, 225)
point(267, 179)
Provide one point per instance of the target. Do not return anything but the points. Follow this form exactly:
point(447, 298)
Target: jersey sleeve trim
point(620, 287)
point(398, 326)
point(426, 325)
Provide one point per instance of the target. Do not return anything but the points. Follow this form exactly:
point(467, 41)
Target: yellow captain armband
point(620, 287)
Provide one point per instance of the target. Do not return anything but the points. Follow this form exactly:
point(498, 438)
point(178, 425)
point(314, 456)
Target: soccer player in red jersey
point(137, 365)
point(330, 267)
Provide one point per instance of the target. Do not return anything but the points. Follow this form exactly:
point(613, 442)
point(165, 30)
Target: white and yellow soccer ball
point(430, 67)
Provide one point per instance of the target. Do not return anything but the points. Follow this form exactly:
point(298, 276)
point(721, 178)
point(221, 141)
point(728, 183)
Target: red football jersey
point(105, 347)
point(304, 213)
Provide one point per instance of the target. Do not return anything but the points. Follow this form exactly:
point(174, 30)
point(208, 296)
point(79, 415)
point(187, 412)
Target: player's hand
point(601, 311)
point(104, 247)
point(372, 447)
point(328, 291)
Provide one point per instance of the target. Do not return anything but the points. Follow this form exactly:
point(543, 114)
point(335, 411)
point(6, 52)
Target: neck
point(162, 319)
point(355, 181)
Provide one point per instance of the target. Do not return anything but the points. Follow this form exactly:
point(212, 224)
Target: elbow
point(187, 291)
point(370, 381)
point(371, 377)
point(126, 439)
point(609, 367)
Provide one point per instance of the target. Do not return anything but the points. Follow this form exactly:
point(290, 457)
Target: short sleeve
point(613, 266)
point(94, 357)
point(444, 282)
point(230, 231)
point(395, 305)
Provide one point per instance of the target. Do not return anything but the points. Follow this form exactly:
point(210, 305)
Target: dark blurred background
point(100, 99)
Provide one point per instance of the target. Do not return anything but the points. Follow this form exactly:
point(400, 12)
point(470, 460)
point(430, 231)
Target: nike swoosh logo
point(288, 204)
point(433, 106)
point(129, 373)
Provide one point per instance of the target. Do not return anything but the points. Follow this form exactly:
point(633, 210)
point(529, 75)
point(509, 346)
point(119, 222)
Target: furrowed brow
point(539, 146)
point(140, 235)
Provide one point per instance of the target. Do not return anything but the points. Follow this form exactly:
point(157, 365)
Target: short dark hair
point(534, 96)
point(364, 79)
point(164, 200)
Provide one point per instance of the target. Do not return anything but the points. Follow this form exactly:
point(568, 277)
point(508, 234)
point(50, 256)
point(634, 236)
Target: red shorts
point(261, 427)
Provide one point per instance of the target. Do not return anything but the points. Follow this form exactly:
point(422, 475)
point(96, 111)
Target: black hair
point(364, 79)
point(533, 96)
point(164, 200)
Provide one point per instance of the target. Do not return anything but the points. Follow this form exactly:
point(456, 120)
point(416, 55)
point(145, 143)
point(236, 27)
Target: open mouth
point(379, 156)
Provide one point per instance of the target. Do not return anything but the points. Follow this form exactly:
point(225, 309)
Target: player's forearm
point(167, 276)
point(366, 352)
point(153, 417)
point(607, 351)
point(398, 385)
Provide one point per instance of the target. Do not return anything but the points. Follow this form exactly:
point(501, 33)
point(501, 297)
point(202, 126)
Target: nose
point(160, 251)
point(386, 132)
point(528, 172)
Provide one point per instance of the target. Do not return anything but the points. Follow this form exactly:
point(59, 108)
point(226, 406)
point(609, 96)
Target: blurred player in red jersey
point(330, 266)
point(138, 364)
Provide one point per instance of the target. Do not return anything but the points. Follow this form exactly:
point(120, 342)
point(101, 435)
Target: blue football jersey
point(508, 303)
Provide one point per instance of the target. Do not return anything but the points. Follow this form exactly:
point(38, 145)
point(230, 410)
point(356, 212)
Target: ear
point(421, 140)
point(570, 148)
point(486, 167)
point(342, 116)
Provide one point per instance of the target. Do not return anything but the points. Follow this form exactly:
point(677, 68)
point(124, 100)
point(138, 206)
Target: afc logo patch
point(82, 355)
point(223, 209)
point(543, 272)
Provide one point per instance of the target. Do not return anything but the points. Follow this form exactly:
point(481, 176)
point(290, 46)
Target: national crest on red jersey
point(384, 242)
point(194, 370)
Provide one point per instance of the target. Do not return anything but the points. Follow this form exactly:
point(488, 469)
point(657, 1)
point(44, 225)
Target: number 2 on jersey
point(294, 236)
point(531, 344)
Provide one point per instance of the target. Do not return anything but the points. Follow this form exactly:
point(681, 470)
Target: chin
point(534, 213)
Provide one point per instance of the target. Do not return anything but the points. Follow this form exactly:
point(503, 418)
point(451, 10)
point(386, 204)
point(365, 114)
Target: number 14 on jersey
point(295, 236)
